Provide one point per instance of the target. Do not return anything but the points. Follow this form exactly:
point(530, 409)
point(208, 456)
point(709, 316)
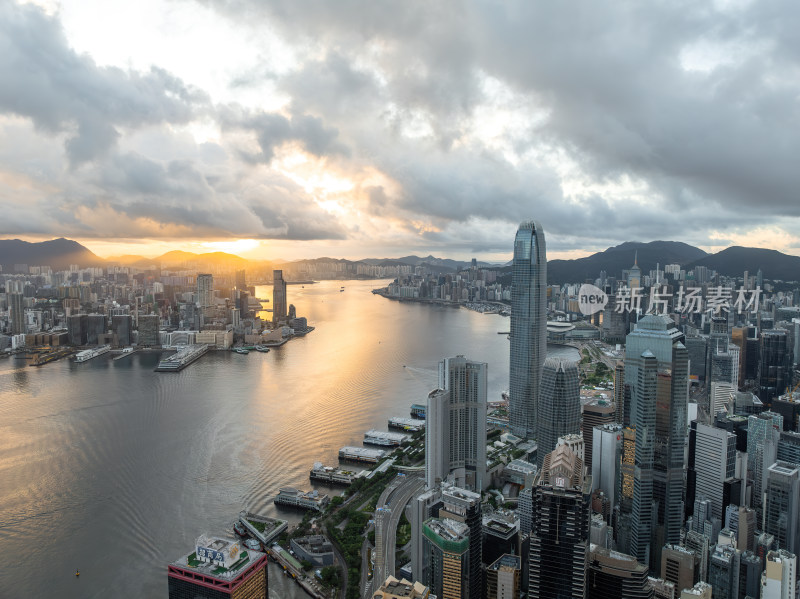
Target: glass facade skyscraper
point(528, 327)
point(559, 410)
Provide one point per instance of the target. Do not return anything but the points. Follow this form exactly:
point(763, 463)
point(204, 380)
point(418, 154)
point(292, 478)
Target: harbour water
point(113, 469)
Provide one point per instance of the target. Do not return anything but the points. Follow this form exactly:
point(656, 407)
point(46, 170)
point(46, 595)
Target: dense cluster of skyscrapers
point(684, 483)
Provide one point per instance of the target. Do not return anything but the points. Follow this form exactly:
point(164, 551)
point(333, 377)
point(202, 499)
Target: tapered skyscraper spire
point(528, 327)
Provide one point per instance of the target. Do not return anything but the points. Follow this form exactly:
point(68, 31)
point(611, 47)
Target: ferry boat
point(240, 350)
point(262, 349)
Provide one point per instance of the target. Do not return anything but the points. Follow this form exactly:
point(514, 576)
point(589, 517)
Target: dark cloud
point(61, 91)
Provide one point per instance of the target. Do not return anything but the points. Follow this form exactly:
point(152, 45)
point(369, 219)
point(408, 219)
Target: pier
point(180, 360)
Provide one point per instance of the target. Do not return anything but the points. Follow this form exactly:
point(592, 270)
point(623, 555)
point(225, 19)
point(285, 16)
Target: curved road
point(390, 508)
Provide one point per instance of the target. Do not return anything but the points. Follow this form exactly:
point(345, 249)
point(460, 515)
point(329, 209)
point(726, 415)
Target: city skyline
point(285, 129)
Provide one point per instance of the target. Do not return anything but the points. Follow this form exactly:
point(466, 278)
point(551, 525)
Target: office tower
point(698, 350)
point(219, 568)
point(95, 327)
point(656, 366)
point(560, 530)
point(455, 431)
point(77, 325)
point(244, 303)
point(619, 392)
point(635, 273)
point(240, 281)
point(782, 507)
point(525, 511)
point(607, 457)
point(700, 545)
point(739, 339)
point(701, 513)
point(721, 397)
point(205, 291)
point(595, 413)
point(680, 566)
point(528, 327)
point(278, 297)
point(16, 306)
point(759, 279)
point(423, 507)
point(762, 451)
point(401, 589)
point(789, 446)
point(236, 317)
point(500, 536)
point(747, 527)
point(714, 462)
point(662, 589)
point(599, 533)
point(451, 546)
point(779, 578)
point(774, 367)
point(725, 364)
point(559, 410)
point(701, 590)
point(612, 575)
point(788, 406)
point(723, 572)
point(121, 327)
point(749, 574)
point(503, 577)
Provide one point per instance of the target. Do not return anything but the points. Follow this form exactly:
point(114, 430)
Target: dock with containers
point(362, 454)
point(332, 475)
point(384, 439)
point(311, 500)
point(406, 424)
point(180, 360)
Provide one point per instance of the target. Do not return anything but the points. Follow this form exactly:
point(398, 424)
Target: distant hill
point(618, 258)
point(56, 253)
point(733, 261)
point(191, 260)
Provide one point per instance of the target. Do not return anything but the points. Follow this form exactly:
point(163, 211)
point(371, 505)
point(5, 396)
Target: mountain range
point(732, 261)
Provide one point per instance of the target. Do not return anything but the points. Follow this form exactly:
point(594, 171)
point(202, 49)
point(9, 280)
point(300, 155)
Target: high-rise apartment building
point(528, 327)
point(205, 291)
point(559, 541)
point(279, 305)
point(656, 367)
point(455, 432)
point(16, 306)
point(559, 412)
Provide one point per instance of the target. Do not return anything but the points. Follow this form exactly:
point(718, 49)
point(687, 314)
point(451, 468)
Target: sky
point(303, 128)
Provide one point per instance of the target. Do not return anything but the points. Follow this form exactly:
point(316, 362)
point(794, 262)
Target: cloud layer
point(436, 126)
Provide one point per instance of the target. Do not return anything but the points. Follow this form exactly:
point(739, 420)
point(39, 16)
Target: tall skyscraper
point(763, 435)
point(657, 368)
point(619, 393)
point(455, 432)
point(595, 413)
point(774, 367)
point(559, 541)
point(714, 461)
point(16, 307)
point(278, 297)
point(782, 508)
point(606, 460)
point(528, 327)
point(559, 411)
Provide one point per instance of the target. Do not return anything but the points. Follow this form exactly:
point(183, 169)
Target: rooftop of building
point(500, 524)
point(698, 589)
point(448, 529)
point(506, 562)
point(401, 589)
point(238, 558)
